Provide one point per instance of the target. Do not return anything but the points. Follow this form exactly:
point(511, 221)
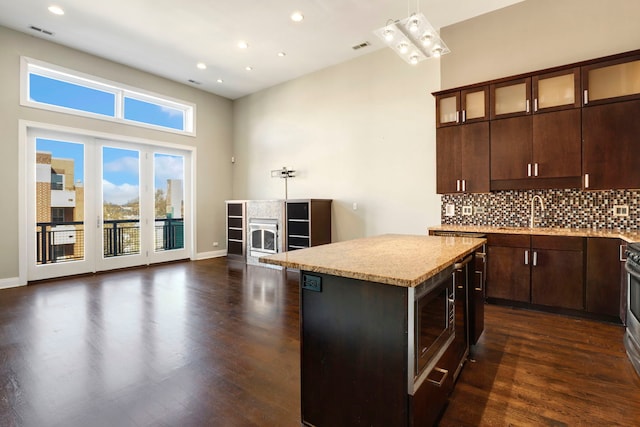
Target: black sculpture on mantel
point(285, 173)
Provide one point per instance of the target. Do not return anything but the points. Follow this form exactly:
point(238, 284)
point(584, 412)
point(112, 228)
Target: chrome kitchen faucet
point(533, 212)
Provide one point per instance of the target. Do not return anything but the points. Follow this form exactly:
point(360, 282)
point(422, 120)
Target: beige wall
point(358, 132)
point(537, 34)
point(213, 141)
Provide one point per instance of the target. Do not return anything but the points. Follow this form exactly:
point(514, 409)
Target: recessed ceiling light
point(243, 44)
point(201, 65)
point(297, 16)
point(281, 54)
point(220, 80)
point(56, 10)
point(248, 68)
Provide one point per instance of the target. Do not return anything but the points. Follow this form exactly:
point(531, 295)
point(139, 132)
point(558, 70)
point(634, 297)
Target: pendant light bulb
point(413, 59)
point(437, 51)
point(403, 47)
point(414, 24)
point(426, 39)
point(388, 34)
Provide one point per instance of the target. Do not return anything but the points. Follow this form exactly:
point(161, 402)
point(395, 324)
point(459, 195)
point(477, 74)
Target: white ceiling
point(168, 37)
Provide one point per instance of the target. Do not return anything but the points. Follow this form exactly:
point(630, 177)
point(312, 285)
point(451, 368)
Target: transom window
point(50, 87)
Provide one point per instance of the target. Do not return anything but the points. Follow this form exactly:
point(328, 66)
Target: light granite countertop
point(393, 259)
point(629, 236)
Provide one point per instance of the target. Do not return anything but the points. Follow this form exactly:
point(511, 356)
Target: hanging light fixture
point(413, 38)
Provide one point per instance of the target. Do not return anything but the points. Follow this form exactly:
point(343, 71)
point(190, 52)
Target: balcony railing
point(64, 241)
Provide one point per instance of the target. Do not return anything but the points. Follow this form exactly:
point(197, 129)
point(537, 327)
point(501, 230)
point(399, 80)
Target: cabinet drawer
point(559, 243)
point(510, 240)
point(234, 209)
point(298, 228)
point(235, 234)
point(235, 222)
point(298, 210)
point(298, 242)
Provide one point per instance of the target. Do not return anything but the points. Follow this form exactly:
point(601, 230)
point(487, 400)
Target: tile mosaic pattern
point(567, 208)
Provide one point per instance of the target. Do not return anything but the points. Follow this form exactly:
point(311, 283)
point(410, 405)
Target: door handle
point(526, 257)
point(535, 258)
point(444, 373)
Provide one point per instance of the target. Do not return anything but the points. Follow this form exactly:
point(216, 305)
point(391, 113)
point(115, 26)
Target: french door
point(97, 204)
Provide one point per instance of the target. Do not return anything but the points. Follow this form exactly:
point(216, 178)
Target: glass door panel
point(57, 238)
point(614, 81)
point(511, 99)
point(120, 190)
point(474, 105)
point(556, 91)
point(168, 171)
point(448, 109)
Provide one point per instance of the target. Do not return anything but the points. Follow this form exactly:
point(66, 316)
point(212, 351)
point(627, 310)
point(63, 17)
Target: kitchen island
point(377, 327)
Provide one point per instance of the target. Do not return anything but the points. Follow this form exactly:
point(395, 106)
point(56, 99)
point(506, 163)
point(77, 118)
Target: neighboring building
point(59, 199)
point(175, 198)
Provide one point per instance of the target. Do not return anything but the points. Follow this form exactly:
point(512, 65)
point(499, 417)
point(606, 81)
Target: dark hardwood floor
point(215, 343)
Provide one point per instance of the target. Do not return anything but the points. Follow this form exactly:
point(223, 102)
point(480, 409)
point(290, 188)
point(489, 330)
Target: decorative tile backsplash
point(568, 208)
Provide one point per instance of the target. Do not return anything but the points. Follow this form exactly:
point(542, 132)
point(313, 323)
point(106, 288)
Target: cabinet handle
point(457, 185)
point(444, 373)
point(480, 281)
point(535, 259)
point(586, 97)
point(464, 185)
point(535, 104)
point(623, 249)
point(528, 169)
point(526, 257)
point(464, 116)
point(535, 169)
point(528, 106)
point(457, 116)
point(586, 180)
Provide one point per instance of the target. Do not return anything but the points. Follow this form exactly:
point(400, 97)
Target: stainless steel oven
point(435, 317)
point(632, 334)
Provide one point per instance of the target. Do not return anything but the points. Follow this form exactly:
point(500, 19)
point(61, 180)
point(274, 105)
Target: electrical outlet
point(620, 210)
point(449, 209)
point(467, 210)
point(215, 244)
point(478, 210)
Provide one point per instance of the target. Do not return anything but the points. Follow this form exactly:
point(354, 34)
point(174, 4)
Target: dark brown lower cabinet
point(508, 271)
point(541, 270)
point(604, 276)
point(557, 271)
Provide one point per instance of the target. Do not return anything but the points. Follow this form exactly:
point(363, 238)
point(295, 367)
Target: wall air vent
point(361, 45)
point(40, 30)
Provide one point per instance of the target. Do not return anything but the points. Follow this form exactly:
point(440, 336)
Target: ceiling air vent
point(40, 30)
point(194, 82)
point(361, 45)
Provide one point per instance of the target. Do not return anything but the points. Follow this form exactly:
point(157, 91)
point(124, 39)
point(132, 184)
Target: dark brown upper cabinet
point(511, 98)
point(462, 141)
point(610, 81)
point(462, 106)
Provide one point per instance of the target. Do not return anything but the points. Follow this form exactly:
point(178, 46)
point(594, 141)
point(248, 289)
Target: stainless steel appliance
point(435, 318)
point(632, 334)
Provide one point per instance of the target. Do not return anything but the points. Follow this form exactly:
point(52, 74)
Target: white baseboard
point(10, 282)
point(212, 254)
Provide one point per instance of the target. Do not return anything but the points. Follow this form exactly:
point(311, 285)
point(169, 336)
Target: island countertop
point(393, 259)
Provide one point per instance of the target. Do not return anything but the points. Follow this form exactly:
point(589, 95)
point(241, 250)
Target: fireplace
point(263, 237)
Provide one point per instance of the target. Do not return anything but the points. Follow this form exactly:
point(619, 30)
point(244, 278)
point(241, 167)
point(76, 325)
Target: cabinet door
point(556, 91)
point(611, 81)
point(611, 145)
point(508, 273)
point(511, 151)
point(557, 278)
point(603, 276)
point(511, 98)
point(557, 144)
point(448, 109)
point(475, 104)
point(474, 168)
point(448, 160)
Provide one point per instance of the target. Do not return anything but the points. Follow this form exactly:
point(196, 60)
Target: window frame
point(30, 65)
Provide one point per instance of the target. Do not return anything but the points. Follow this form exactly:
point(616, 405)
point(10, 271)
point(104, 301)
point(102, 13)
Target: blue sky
point(121, 168)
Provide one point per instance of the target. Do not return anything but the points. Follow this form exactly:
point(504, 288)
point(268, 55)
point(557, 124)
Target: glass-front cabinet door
point(611, 81)
point(475, 104)
point(448, 109)
point(556, 91)
point(512, 98)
